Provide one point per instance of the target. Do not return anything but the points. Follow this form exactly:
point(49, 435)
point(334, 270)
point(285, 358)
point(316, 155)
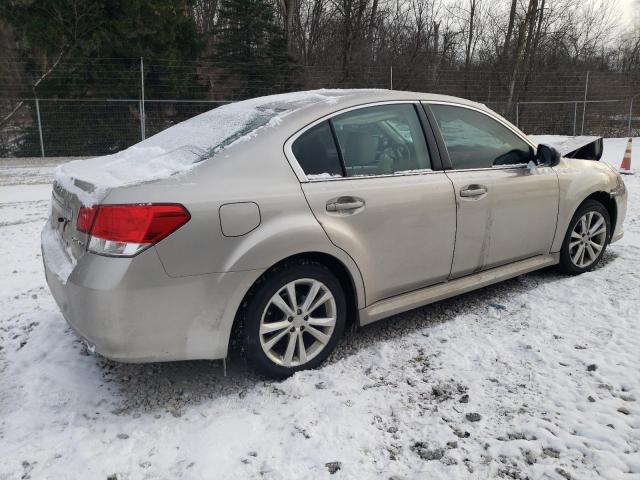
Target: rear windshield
point(261, 118)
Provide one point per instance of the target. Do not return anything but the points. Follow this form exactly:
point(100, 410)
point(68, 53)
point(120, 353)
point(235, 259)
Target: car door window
point(475, 140)
point(316, 152)
point(381, 140)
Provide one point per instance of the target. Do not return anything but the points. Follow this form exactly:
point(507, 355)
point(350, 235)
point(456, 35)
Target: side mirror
point(547, 156)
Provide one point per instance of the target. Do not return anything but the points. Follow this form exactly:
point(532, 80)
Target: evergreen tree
point(76, 49)
point(252, 49)
point(100, 41)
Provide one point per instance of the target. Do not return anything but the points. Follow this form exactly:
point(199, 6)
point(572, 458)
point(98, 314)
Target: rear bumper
point(130, 310)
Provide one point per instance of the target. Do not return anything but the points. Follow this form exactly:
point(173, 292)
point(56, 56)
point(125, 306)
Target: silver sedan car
point(279, 221)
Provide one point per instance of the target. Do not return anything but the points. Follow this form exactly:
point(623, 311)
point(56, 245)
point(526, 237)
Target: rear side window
point(316, 152)
point(381, 140)
point(475, 140)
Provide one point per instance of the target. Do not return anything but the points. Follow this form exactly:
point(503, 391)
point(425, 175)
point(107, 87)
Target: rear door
point(506, 211)
point(379, 195)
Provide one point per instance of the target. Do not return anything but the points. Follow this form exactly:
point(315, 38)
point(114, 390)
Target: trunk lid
point(65, 206)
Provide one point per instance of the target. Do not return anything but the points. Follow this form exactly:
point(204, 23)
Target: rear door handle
point(344, 204)
point(473, 191)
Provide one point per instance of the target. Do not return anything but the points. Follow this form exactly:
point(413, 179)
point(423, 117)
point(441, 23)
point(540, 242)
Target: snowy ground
point(538, 377)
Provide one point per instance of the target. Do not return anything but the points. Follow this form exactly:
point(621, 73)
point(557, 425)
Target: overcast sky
point(627, 8)
point(630, 12)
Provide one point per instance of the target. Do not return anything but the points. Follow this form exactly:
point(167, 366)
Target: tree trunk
point(512, 19)
point(536, 38)
point(519, 52)
point(346, 39)
point(289, 9)
point(371, 27)
point(434, 58)
point(467, 57)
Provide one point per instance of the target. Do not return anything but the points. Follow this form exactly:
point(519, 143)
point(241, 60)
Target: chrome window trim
point(365, 177)
point(302, 177)
point(489, 169)
point(498, 119)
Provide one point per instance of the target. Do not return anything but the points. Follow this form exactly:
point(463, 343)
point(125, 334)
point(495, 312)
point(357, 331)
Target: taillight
point(86, 216)
point(126, 230)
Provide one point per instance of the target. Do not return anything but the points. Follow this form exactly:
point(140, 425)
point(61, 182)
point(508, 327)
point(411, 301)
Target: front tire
point(586, 239)
point(293, 319)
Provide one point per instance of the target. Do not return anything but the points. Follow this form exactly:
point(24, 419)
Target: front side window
point(475, 140)
point(316, 152)
point(381, 140)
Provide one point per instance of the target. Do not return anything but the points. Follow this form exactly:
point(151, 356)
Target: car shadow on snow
point(174, 386)
point(475, 301)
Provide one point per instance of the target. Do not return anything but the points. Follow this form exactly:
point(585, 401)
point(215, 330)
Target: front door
point(506, 210)
point(378, 198)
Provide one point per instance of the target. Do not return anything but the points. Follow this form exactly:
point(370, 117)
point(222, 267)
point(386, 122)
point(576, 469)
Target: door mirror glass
point(547, 156)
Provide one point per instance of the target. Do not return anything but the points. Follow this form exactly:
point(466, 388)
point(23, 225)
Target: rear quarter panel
point(253, 171)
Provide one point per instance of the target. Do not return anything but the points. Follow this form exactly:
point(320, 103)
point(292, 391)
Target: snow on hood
point(179, 148)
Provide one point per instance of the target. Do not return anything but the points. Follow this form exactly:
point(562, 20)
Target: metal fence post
point(517, 113)
point(584, 103)
point(142, 114)
point(630, 113)
point(575, 117)
point(391, 77)
point(39, 126)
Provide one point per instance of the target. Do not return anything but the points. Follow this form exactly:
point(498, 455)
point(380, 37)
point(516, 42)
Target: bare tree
point(309, 26)
point(473, 9)
point(289, 10)
point(510, 24)
point(523, 38)
point(352, 30)
point(204, 13)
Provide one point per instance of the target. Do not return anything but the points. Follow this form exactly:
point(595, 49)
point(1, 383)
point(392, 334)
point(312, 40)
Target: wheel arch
point(608, 202)
point(570, 265)
point(573, 202)
point(354, 293)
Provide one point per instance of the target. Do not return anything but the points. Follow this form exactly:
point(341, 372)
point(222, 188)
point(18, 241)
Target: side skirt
point(418, 298)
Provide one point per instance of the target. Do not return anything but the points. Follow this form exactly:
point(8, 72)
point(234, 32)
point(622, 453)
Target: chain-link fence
point(72, 127)
point(113, 112)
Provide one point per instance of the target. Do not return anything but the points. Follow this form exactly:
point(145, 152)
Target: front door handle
point(473, 191)
point(344, 204)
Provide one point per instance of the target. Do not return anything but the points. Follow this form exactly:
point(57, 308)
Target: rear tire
point(586, 239)
point(283, 330)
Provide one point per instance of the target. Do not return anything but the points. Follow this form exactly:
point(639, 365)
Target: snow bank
point(181, 147)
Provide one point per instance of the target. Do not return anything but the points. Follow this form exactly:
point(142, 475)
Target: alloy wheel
point(298, 322)
point(588, 238)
